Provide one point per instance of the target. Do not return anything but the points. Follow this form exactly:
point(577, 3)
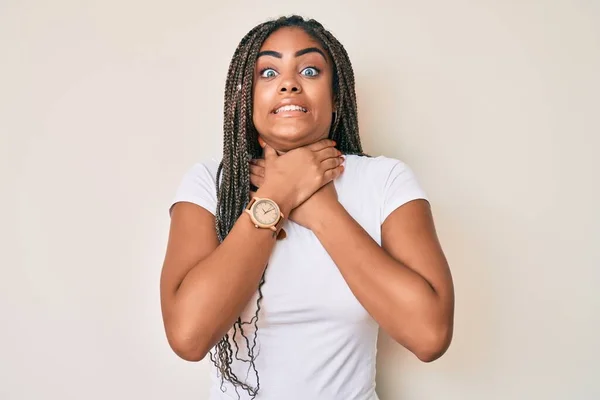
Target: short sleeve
point(198, 186)
point(401, 186)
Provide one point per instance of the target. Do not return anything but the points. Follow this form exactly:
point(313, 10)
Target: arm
point(205, 286)
point(406, 284)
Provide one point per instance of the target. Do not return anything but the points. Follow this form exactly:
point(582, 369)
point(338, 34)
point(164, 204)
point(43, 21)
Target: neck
point(281, 152)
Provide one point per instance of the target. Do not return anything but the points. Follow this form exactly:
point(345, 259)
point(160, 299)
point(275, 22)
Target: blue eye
point(268, 73)
point(310, 71)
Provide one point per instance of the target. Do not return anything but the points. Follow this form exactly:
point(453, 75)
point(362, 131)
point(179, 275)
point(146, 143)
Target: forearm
point(404, 303)
point(214, 293)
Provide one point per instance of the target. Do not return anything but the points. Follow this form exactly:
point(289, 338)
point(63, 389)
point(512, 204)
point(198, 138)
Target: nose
point(290, 85)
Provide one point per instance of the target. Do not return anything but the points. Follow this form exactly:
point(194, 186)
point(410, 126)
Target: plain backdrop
point(104, 105)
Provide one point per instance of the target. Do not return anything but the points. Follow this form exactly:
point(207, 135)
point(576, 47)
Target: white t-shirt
point(315, 340)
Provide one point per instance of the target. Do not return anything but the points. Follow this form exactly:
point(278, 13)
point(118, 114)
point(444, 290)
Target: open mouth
point(290, 108)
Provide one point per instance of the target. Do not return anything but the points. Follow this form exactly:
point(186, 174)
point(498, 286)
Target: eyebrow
point(297, 54)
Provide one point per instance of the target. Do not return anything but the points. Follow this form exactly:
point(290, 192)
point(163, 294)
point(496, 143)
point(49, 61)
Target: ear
point(261, 142)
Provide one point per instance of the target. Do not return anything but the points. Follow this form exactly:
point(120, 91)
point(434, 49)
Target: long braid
point(240, 143)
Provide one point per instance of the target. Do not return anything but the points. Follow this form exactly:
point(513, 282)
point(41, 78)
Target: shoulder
point(199, 185)
point(206, 169)
point(388, 181)
point(378, 168)
point(373, 162)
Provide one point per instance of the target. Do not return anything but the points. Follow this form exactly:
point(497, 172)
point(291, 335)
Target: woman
point(357, 247)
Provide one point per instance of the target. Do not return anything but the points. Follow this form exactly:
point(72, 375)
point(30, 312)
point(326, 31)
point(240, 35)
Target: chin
point(288, 139)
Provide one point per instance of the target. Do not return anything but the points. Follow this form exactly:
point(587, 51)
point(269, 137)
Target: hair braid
point(240, 143)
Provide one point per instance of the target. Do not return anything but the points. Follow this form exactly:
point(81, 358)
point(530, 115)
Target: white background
point(104, 105)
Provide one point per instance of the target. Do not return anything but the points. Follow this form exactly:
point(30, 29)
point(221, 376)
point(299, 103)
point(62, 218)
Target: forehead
point(290, 39)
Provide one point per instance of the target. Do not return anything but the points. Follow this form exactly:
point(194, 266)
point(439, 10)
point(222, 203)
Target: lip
point(289, 102)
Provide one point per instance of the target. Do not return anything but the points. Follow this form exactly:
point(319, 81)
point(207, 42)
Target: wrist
point(283, 203)
point(324, 218)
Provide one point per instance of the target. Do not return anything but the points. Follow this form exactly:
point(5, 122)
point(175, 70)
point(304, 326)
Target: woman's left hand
point(309, 212)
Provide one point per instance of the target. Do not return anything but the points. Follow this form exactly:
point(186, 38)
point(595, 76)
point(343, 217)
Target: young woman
point(316, 245)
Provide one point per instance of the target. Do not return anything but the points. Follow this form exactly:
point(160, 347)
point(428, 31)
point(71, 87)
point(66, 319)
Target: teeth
point(290, 108)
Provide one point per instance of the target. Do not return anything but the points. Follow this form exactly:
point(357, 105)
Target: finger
point(257, 170)
point(322, 144)
point(258, 161)
point(327, 152)
point(331, 163)
point(256, 180)
point(332, 174)
point(269, 153)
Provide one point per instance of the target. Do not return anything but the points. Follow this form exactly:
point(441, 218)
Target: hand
point(307, 211)
point(290, 179)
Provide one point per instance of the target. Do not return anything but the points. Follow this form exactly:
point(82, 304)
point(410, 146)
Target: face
point(292, 91)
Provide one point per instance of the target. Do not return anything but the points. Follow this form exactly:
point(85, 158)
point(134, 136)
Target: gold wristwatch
point(265, 213)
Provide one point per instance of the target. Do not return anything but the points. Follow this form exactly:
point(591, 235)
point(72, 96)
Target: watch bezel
point(256, 221)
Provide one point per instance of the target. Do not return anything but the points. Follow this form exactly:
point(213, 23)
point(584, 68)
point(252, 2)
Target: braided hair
point(240, 144)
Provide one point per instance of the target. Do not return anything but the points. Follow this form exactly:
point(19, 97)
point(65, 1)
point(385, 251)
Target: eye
point(268, 73)
point(310, 71)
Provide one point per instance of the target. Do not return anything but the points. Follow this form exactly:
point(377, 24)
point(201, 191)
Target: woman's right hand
point(290, 179)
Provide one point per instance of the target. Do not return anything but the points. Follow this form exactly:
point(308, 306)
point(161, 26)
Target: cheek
point(325, 105)
point(323, 97)
point(261, 101)
point(258, 106)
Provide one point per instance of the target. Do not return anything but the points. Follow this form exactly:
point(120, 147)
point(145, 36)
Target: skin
point(283, 76)
point(305, 80)
point(199, 273)
point(405, 284)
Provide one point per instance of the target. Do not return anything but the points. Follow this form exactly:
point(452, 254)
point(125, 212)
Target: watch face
point(265, 212)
